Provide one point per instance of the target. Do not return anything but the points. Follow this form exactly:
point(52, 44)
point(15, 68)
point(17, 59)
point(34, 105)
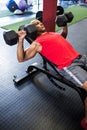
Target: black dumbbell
point(59, 11)
point(39, 15)
point(31, 31)
point(69, 16)
point(11, 37)
point(62, 20)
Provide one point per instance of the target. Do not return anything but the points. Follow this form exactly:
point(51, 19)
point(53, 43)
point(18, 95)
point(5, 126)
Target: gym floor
point(37, 104)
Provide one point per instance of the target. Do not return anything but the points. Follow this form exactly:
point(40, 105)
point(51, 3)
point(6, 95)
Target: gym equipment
point(59, 11)
point(22, 5)
point(62, 20)
point(69, 16)
point(18, 11)
point(31, 31)
point(11, 36)
point(39, 15)
point(13, 5)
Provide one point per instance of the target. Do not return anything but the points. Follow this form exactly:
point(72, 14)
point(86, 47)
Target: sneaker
point(84, 124)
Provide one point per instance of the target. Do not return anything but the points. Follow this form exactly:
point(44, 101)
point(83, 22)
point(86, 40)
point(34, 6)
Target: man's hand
point(64, 32)
point(21, 34)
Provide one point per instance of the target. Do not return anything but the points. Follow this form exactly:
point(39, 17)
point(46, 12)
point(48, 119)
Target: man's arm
point(30, 52)
point(64, 31)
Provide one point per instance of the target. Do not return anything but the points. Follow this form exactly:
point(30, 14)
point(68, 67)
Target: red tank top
point(57, 49)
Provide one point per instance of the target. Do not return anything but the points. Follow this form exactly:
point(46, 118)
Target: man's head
point(40, 27)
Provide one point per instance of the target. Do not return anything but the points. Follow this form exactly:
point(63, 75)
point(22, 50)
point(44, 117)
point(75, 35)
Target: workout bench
point(50, 70)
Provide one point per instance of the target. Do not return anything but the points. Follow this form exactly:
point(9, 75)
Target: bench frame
point(50, 70)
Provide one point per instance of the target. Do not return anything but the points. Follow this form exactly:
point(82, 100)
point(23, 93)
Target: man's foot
point(84, 124)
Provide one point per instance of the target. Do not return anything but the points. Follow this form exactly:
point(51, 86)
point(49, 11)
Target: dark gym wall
point(49, 14)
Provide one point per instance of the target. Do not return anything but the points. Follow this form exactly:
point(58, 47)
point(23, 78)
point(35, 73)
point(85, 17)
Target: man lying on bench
point(59, 51)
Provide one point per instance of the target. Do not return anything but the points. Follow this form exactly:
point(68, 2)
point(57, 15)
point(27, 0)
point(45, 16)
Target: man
point(58, 50)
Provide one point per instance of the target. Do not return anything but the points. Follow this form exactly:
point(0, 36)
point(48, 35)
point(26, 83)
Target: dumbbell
point(39, 15)
point(31, 32)
point(59, 11)
point(62, 20)
point(11, 37)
